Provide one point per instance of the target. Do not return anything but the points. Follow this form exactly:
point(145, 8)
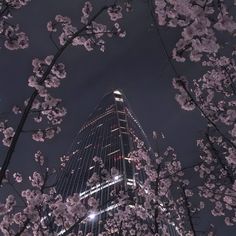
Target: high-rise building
point(108, 134)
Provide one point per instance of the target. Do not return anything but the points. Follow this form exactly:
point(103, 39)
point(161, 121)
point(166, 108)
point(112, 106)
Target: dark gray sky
point(136, 64)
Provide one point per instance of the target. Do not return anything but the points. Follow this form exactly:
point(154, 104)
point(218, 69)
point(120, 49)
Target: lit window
point(119, 99)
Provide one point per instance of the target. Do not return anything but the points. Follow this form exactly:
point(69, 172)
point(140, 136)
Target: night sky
point(136, 64)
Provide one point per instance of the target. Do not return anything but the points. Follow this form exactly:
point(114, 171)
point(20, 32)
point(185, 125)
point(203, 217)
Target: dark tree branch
point(152, 12)
point(205, 115)
point(35, 94)
point(23, 228)
point(216, 154)
point(188, 212)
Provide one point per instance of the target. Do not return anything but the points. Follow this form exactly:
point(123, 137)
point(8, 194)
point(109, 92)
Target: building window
point(119, 99)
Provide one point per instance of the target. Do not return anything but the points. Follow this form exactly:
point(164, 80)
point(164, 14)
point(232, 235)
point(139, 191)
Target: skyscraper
point(107, 134)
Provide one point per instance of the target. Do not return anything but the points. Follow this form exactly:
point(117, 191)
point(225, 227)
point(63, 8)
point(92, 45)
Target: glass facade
point(107, 134)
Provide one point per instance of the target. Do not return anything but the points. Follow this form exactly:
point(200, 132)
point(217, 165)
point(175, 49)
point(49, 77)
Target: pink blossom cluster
point(17, 3)
point(130, 218)
point(46, 107)
point(215, 94)
point(41, 210)
point(201, 25)
point(13, 38)
point(115, 12)
point(218, 185)
point(183, 98)
point(39, 158)
point(8, 133)
point(18, 177)
point(198, 21)
point(93, 34)
point(86, 11)
point(162, 190)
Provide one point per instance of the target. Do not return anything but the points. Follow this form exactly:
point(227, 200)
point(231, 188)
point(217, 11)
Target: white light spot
point(116, 177)
point(117, 92)
point(119, 99)
point(92, 216)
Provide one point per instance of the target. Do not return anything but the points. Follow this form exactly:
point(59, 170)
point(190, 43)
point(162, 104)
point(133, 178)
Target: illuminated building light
point(116, 177)
point(96, 119)
point(92, 216)
point(117, 92)
point(119, 99)
point(109, 154)
point(111, 130)
point(131, 182)
point(128, 159)
point(146, 191)
point(114, 130)
point(99, 187)
point(88, 146)
point(61, 232)
point(108, 145)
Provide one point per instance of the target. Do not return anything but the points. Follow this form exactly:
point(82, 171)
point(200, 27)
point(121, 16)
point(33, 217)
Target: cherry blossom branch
point(156, 212)
point(53, 41)
point(217, 193)
point(188, 212)
point(4, 10)
point(68, 231)
point(35, 93)
point(23, 228)
point(215, 151)
point(182, 169)
point(17, 193)
point(231, 80)
point(204, 114)
point(152, 7)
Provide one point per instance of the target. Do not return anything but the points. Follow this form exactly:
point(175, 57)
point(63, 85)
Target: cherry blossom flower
point(15, 40)
point(39, 158)
point(18, 177)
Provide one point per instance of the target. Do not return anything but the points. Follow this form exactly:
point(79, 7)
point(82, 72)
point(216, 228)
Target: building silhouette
point(109, 135)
